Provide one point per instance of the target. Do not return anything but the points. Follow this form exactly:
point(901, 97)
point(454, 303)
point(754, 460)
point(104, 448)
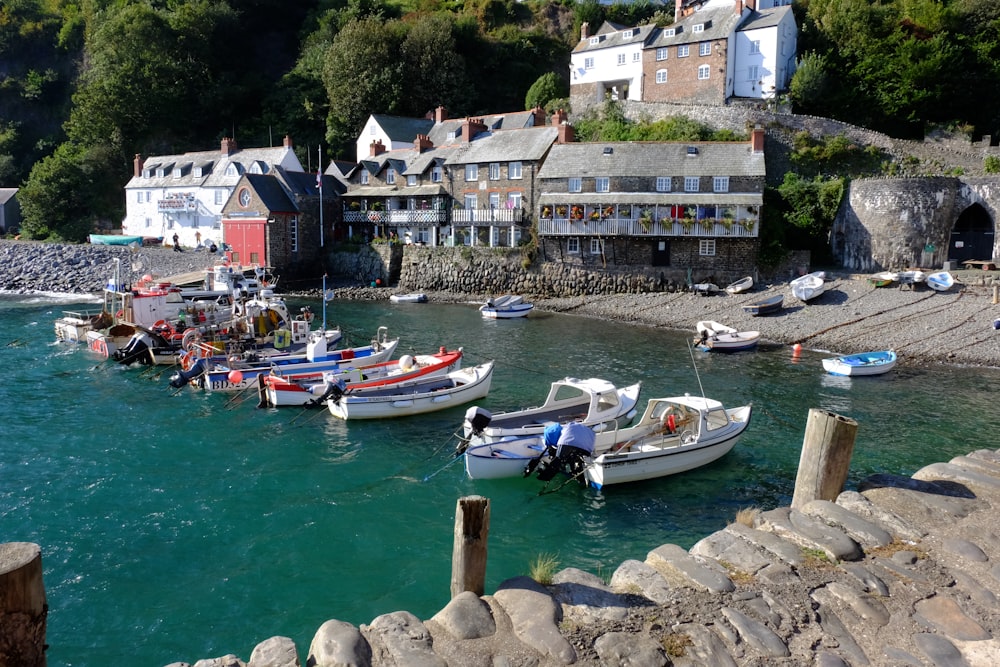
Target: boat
point(911, 277)
point(505, 301)
point(883, 278)
point(235, 372)
point(413, 297)
point(507, 312)
point(594, 402)
point(721, 338)
point(704, 289)
point(415, 397)
point(809, 286)
point(942, 281)
point(863, 363)
point(114, 239)
point(768, 306)
point(278, 388)
point(674, 434)
point(740, 286)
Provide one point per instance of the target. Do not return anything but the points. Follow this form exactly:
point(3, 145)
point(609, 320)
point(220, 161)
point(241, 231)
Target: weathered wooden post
point(23, 609)
point(468, 557)
point(826, 457)
point(996, 294)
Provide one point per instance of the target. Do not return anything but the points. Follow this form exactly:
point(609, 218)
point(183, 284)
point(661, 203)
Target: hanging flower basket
point(576, 213)
point(687, 224)
point(708, 224)
point(546, 212)
point(748, 223)
point(595, 215)
point(561, 211)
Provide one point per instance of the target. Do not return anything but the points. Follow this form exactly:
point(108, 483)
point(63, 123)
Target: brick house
point(657, 204)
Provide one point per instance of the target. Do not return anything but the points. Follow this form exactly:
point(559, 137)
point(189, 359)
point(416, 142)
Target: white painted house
point(393, 132)
point(184, 194)
point(611, 60)
point(765, 48)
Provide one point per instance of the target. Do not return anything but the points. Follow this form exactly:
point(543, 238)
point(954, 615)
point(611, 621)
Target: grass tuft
point(544, 567)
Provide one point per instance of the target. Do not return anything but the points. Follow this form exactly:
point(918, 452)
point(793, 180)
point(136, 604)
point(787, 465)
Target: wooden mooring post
point(826, 457)
point(468, 557)
point(23, 609)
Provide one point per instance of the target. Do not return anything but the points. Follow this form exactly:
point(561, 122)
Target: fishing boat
point(863, 363)
point(674, 435)
point(415, 397)
point(768, 306)
point(412, 297)
point(740, 286)
point(883, 278)
point(508, 306)
point(942, 281)
point(721, 338)
point(278, 388)
point(809, 286)
point(592, 401)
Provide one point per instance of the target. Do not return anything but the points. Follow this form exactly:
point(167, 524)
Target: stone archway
point(972, 236)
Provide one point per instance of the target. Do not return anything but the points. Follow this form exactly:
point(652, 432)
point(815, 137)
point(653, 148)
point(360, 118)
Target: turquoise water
point(179, 526)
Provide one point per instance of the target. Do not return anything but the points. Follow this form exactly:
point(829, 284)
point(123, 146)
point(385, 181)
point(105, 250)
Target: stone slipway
point(904, 571)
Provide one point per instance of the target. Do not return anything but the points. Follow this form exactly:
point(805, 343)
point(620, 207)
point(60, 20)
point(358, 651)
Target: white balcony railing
point(632, 227)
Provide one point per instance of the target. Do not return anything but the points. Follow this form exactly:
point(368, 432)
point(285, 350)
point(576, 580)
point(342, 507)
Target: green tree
point(433, 73)
point(810, 207)
point(546, 88)
point(56, 200)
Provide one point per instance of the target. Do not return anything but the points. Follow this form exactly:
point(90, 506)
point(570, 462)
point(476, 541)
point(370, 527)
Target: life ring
point(187, 360)
point(163, 327)
point(191, 337)
point(120, 315)
point(670, 422)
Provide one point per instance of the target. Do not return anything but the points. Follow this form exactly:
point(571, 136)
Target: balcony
point(177, 204)
point(747, 228)
point(487, 217)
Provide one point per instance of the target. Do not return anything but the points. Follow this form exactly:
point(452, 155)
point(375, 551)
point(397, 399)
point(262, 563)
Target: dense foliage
point(86, 85)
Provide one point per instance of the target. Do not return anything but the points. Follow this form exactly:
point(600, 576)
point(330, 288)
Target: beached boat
point(416, 397)
point(114, 239)
point(768, 306)
point(412, 297)
point(864, 363)
point(740, 286)
point(911, 277)
point(704, 289)
point(593, 401)
point(279, 388)
point(809, 286)
point(721, 338)
point(507, 312)
point(883, 278)
point(942, 281)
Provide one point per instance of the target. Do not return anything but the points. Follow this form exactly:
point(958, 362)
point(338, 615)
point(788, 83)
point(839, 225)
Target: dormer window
point(411, 180)
point(232, 169)
point(364, 177)
point(451, 135)
point(390, 176)
point(595, 40)
point(698, 27)
point(258, 167)
point(178, 172)
point(147, 173)
point(626, 34)
point(197, 172)
point(669, 32)
point(160, 172)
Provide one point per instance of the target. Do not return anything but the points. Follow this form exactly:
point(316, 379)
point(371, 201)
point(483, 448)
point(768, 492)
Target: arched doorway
point(972, 236)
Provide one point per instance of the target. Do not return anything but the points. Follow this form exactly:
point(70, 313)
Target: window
point(588, 63)
point(197, 173)
point(602, 184)
point(636, 57)
point(149, 223)
point(698, 27)
point(663, 183)
point(494, 171)
point(472, 172)
point(705, 49)
point(691, 184)
point(515, 199)
point(411, 180)
point(720, 184)
point(661, 52)
point(494, 200)
point(575, 184)
point(573, 245)
point(626, 34)
point(661, 76)
point(514, 170)
point(471, 202)
point(436, 174)
point(390, 176)
point(595, 40)
point(231, 170)
point(621, 58)
point(682, 51)
point(754, 47)
point(219, 194)
point(753, 73)
point(364, 177)
point(703, 72)
point(178, 172)
point(595, 246)
point(669, 32)
point(138, 197)
point(372, 129)
point(706, 247)
point(148, 193)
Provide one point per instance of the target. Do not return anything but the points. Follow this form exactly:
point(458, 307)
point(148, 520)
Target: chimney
point(757, 140)
point(288, 141)
point(228, 146)
point(440, 114)
point(539, 117)
point(558, 117)
point(137, 165)
point(585, 29)
point(566, 134)
point(678, 10)
point(422, 143)
point(377, 148)
point(471, 128)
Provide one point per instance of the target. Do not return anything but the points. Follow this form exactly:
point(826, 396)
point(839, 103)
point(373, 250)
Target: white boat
point(413, 297)
point(278, 388)
point(942, 281)
point(594, 402)
point(740, 286)
point(722, 338)
point(809, 286)
point(864, 363)
point(883, 278)
point(673, 435)
point(510, 312)
point(416, 397)
point(911, 277)
point(505, 301)
point(704, 289)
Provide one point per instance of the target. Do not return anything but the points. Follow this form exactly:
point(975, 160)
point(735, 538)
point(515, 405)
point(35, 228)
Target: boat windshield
point(716, 419)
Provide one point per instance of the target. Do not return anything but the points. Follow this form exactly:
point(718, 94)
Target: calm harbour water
point(176, 527)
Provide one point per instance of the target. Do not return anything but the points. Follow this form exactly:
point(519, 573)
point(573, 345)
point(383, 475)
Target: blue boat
point(114, 239)
point(864, 363)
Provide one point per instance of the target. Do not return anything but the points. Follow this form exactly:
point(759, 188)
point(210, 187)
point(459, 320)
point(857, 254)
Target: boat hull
point(766, 306)
point(641, 466)
point(508, 312)
point(865, 363)
point(740, 286)
point(732, 342)
point(941, 281)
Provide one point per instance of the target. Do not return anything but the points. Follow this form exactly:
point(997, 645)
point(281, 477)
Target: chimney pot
point(137, 165)
point(377, 148)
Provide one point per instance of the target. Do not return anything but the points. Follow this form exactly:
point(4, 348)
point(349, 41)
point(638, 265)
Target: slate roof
point(272, 195)
point(610, 35)
point(652, 158)
point(400, 128)
point(213, 165)
point(6, 194)
point(439, 134)
point(766, 18)
point(719, 23)
point(530, 144)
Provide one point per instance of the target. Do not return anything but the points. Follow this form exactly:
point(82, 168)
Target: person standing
point(177, 243)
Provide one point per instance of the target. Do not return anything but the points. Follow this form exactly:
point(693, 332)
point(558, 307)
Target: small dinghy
point(864, 363)
point(767, 306)
point(942, 281)
point(413, 297)
point(740, 286)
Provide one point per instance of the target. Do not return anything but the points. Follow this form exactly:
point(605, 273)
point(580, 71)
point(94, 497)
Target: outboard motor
point(331, 391)
point(477, 419)
point(134, 350)
point(572, 454)
point(182, 378)
point(545, 462)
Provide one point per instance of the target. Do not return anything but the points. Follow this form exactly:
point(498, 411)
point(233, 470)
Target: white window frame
point(219, 197)
point(753, 73)
point(148, 196)
point(706, 247)
point(698, 27)
point(661, 76)
point(626, 34)
point(494, 171)
point(149, 223)
point(704, 71)
point(437, 174)
point(471, 201)
point(705, 49)
point(138, 196)
point(720, 184)
point(602, 184)
point(574, 184)
point(411, 180)
point(692, 183)
point(621, 59)
point(293, 232)
point(662, 52)
point(364, 177)
point(636, 57)
point(514, 170)
point(588, 63)
point(669, 32)
point(390, 176)
point(471, 172)
point(595, 40)
point(595, 246)
point(663, 183)
point(683, 50)
point(494, 200)
point(573, 245)
point(754, 47)
point(515, 199)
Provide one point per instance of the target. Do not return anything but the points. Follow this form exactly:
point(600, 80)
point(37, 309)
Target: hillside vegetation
point(84, 86)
